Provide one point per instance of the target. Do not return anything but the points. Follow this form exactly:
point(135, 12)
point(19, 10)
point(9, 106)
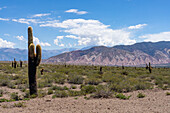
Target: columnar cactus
point(150, 68)
point(33, 62)
point(20, 63)
point(12, 64)
point(101, 72)
point(15, 63)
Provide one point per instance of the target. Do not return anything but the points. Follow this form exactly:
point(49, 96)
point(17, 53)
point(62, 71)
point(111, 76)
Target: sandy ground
point(156, 101)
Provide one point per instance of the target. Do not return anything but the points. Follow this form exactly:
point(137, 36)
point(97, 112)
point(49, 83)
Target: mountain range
point(8, 54)
point(127, 55)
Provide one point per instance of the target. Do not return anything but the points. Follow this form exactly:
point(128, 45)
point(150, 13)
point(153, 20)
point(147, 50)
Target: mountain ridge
point(128, 55)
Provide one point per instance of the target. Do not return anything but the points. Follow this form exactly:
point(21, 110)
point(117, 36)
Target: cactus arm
point(31, 51)
point(38, 55)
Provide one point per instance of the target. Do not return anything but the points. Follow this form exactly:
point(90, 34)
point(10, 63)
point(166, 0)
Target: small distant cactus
point(150, 68)
point(33, 62)
point(20, 63)
point(12, 64)
point(101, 72)
point(15, 63)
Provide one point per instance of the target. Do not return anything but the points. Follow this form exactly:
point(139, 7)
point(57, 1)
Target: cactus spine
point(33, 62)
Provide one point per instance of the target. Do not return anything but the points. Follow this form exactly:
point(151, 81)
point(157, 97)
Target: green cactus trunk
point(33, 62)
point(150, 68)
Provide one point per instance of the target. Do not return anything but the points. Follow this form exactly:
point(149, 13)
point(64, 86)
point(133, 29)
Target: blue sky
point(79, 23)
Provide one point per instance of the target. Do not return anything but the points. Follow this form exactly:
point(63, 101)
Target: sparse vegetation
point(60, 81)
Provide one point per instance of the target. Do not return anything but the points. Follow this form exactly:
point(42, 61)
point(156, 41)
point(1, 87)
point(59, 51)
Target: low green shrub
point(122, 96)
point(141, 95)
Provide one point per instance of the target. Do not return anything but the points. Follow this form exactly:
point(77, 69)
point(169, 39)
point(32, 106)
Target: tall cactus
point(33, 62)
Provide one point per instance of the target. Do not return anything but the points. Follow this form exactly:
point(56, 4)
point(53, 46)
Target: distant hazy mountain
point(8, 54)
point(137, 54)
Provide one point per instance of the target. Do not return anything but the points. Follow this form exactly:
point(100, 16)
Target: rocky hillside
point(137, 54)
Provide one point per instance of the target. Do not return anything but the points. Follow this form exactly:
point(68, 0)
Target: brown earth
point(156, 101)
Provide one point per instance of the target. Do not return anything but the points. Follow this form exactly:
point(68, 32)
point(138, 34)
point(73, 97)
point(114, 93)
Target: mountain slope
point(137, 54)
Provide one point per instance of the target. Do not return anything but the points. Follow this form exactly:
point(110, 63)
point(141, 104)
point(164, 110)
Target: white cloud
point(72, 36)
point(27, 21)
point(6, 34)
point(92, 32)
point(60, 37)
point(40, 15)
point(61, 45)
point(163, 36)
point(139, 26)
point(4, 19)
point(37, 41)
point(56, 41)
point(20, 37)
point(6, 44)
point(2, 7)
point(76, 11)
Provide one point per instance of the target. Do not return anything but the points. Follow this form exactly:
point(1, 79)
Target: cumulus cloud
point(37, 41)
point(76, 11)
point(92, 32)
point(56, 42)
point(41, 15)
point(139, 26)
point(4, 19)
point(61, 45)
point(20, 37)
point(26, 21)
point(163, 36)
point(60, 37)
point(72, 36)
point(6, 44)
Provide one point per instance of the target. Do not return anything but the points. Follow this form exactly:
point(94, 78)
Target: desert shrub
point(124, 73)
point(167, 93)
point(41, 93)
point(1, 92)
point(4, 82)
point(50, 91)
point(122, 96)
point(59, 88)
point(75, 93)
point(60, 94)
point(75, 79)
point(4, 100)
point(11, 85)
point(102, 92)
point(88, 89)
point(19, 104)
point(93, 81)
point(141, 95)
point(15, 96)
point(73, 87)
